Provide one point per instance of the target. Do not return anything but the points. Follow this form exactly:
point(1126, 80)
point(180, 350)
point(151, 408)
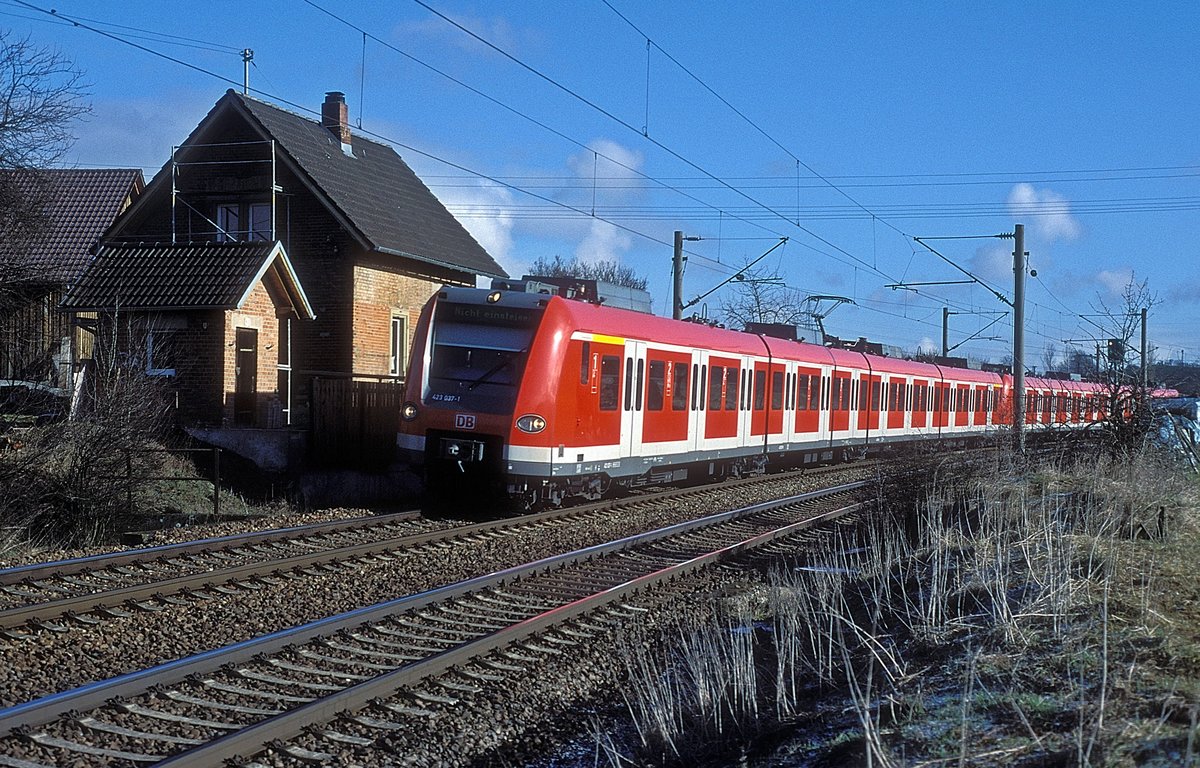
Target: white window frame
point(257, 234)
point(225, 232)
point(151, 370)
point(398, 345)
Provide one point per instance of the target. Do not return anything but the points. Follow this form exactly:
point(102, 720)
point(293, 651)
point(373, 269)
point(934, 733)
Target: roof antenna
point(247, 57)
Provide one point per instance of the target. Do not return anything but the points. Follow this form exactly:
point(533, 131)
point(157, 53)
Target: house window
point(249, 223)
point(160, 353)
point(229, 222)
point(399, 346)
point(260, 222)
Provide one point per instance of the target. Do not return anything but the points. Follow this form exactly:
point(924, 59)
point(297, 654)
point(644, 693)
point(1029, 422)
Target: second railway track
point(208, 708)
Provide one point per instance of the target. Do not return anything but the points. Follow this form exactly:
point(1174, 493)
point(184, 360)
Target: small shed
point(210, 319)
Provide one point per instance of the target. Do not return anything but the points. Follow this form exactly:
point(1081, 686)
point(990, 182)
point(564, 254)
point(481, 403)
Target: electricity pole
point(1018, 408)
point(945, 331)
point(677, 276)
point(1145, 360)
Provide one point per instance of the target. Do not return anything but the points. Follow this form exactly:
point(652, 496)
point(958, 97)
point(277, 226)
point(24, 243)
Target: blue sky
point(1078, 120)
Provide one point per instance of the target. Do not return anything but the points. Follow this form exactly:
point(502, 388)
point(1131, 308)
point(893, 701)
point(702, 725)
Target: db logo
point(464, 421)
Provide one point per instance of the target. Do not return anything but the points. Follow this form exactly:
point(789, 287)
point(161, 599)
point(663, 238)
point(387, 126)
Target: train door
point(696, 395)
point(633, 397)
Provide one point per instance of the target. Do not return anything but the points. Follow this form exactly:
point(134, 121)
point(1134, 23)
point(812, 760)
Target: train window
point(825, 393)
point(703, 383)
point(837, 396)
point(629, 383)
point(656, 387)
point(814, 393)
point(777, 389)
point(876, 389)
point(583, 362)
point(802, 392)
point(679, 383)
point(847, 390)
point(731, 388)
point(610, 379)
point(695, 383)
point(716, 375)
point(760, 390)
point(745, 389)
point(863, 387)
point(640, 384)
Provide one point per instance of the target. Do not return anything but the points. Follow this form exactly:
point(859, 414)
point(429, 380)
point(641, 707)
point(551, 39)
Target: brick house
point(210, 320)
point(368, 241)
point(52, 222)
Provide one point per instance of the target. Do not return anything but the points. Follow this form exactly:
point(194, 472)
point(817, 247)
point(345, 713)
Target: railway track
point(70, 594)
point(352, 677)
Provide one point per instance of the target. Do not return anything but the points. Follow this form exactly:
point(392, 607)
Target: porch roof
point(140, 276)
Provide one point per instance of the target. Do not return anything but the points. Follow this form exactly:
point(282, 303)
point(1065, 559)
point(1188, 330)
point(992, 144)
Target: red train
point(547, 398)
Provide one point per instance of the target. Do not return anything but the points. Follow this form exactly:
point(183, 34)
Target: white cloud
point(612, 166)
point(994, 264)
point(485, 211)
point(603, 242)
point(1050, 212)
point(1115, 281)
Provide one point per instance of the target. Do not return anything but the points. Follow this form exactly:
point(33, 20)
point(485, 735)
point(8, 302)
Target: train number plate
point(464, 421)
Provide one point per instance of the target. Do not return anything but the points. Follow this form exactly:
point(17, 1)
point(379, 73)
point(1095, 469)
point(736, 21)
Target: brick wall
point(259, 313)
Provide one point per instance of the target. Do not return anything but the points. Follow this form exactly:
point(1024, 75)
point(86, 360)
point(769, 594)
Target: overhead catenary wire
point(568, 208)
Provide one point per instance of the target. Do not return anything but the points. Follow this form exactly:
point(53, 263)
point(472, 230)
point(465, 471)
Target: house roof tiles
point(374, 189)
point(79, 204)
point(137, 276)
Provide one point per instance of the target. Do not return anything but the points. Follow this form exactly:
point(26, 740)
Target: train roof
point(590, 318)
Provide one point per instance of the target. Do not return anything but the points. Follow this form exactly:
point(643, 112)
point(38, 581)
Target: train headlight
point(408, 411)
point(531, 423)
point(493, 297)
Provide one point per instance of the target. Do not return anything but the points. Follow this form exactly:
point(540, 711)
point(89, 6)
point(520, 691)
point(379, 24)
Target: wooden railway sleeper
point(399, 659)
point(347, 662)
point(242, 691)
point(316, 671)
point(374, 722)
point(444, 643)
point(242, 709)
point(154, 714)
point(341, 738)
point(120, 730)
point(262, 677)
point(67, 745)
point(402, 709)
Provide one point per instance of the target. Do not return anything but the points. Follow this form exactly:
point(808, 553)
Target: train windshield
point(478, 354)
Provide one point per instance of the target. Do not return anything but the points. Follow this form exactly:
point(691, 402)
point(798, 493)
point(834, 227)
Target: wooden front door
point(245, 386)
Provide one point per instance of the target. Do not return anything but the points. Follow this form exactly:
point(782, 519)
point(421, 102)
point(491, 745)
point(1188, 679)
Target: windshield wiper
point(496, 369)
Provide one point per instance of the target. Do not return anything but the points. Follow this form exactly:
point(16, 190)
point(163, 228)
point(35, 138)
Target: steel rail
point(78, 565)
point(74, 605)
point(294, 722)
point(93, 695)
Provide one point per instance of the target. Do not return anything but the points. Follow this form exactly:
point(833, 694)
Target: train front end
point(469, 355)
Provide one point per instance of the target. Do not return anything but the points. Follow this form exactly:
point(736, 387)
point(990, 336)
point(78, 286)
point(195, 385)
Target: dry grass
point(1045, 619)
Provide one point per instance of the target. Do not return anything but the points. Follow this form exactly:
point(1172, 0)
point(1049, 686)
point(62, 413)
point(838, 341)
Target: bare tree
point(41, 95)
point(1128, 407)
point(761, 296)
point(609, 271)
point(1050, 357)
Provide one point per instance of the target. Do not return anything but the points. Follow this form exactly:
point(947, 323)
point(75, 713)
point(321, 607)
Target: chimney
point(336, 117)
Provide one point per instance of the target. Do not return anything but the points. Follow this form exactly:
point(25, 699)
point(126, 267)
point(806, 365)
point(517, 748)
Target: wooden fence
point(354, 423)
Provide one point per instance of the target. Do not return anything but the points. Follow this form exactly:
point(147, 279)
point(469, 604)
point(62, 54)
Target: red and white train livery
point(547, 398)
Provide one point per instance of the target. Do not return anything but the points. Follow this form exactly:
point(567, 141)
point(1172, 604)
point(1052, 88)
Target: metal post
point(128, 482)
point(216, 482)
point(677, 278)
point(1145, 358)
point(1019, 340)
point(945, 331)
point(247, 57)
